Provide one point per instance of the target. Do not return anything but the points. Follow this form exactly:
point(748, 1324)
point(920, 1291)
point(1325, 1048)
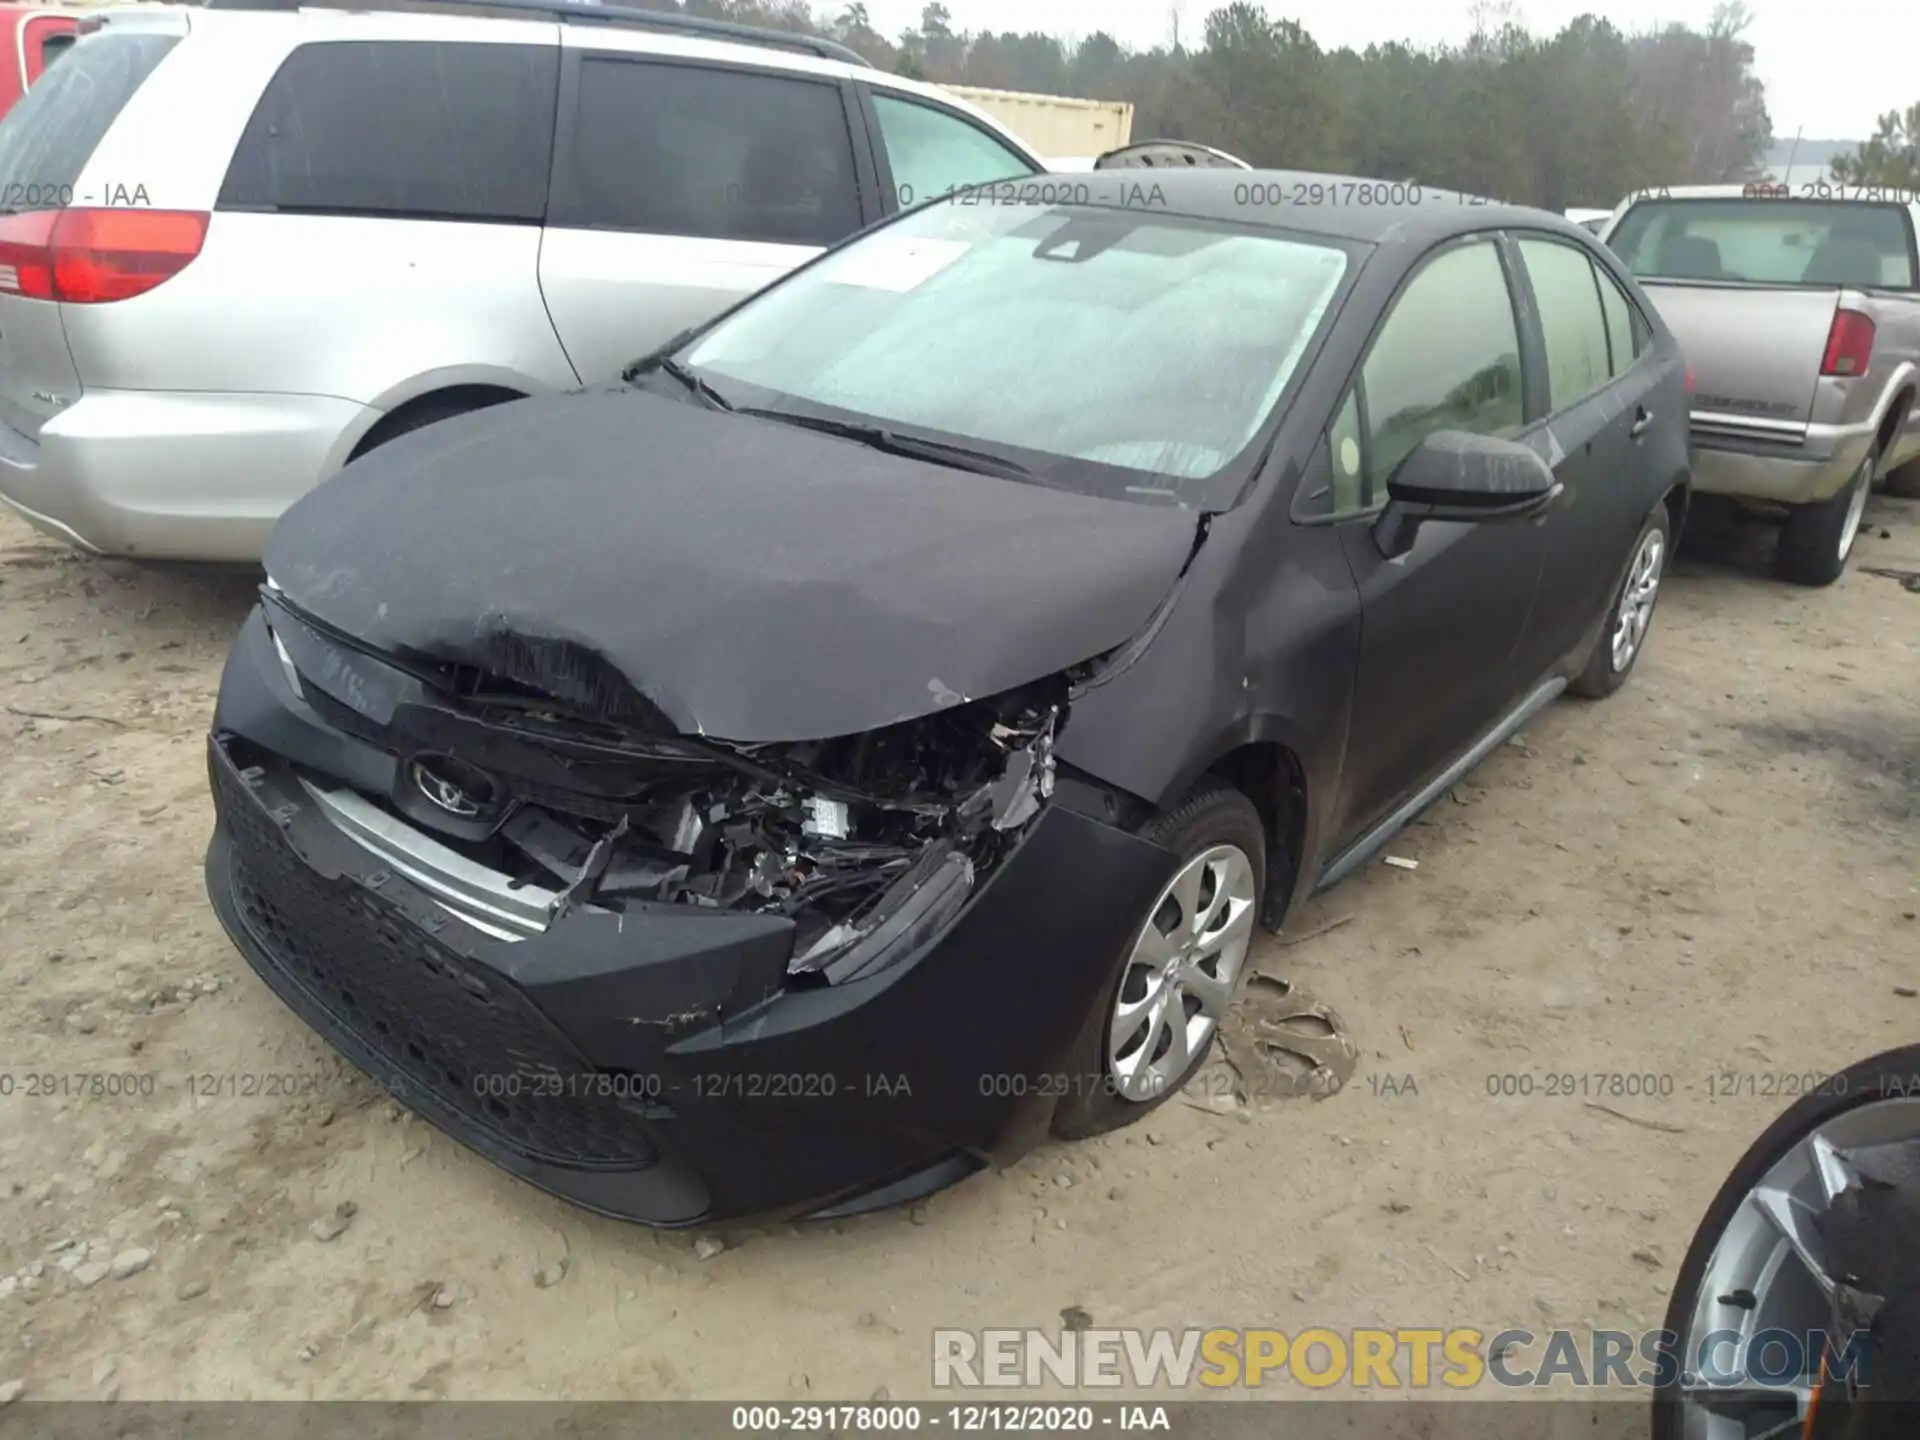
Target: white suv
point(240, 246)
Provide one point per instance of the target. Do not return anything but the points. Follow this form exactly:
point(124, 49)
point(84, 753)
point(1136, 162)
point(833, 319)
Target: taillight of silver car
point(1849, 344)
point(92, 256)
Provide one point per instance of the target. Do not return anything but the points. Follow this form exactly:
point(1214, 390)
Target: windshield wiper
point(913, 447)
point(681, 373)
point(651, 360)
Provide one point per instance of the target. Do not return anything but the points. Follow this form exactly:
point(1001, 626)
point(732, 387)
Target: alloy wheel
point(1635, 615)
point(1180, 977)
point(1769, 1272)
point(1856, 508)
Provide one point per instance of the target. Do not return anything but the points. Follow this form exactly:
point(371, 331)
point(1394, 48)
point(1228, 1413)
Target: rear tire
point(1215, 819)
point(1623, 634)
point(1817, 539)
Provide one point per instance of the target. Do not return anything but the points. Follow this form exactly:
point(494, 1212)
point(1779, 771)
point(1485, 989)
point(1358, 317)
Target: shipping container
point(1055, 125)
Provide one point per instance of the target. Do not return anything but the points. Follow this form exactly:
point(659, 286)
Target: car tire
point(1870, 1080)
point(1817, 539)
point(1613, 659)
point(1212, 821)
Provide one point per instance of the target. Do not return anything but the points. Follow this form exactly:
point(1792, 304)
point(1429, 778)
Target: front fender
point(1262, 644)
point(1317, 790)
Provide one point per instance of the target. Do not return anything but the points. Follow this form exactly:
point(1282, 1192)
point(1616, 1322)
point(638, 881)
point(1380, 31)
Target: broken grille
point(465, 1035)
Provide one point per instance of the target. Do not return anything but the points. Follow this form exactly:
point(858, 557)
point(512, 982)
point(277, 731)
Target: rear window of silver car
point(47, 139)
point(1768, 242)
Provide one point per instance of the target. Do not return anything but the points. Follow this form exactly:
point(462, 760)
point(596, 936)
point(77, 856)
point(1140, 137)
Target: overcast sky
point(1822, 71)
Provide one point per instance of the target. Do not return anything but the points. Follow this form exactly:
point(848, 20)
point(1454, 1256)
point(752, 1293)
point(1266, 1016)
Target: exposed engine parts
point(849, 837)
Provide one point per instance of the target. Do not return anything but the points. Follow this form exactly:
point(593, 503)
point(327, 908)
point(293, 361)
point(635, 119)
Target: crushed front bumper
point(655, 1065)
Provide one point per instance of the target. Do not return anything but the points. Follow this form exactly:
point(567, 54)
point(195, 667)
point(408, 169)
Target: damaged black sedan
point(867, 740)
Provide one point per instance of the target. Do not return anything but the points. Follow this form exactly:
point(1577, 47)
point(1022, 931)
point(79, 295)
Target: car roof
point(501, 20)
point(1340, 207)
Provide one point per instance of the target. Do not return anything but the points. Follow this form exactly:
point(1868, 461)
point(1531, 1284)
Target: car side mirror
point(1462, 478)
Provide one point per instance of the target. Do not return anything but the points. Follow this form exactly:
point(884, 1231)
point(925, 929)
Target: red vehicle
point(36, 36)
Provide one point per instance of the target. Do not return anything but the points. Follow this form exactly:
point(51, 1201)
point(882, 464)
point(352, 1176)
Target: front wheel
point(1817, 539)
point(1171, 988)
point(1631, 615)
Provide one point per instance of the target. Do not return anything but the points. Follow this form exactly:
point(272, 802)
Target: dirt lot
point(1711, 874)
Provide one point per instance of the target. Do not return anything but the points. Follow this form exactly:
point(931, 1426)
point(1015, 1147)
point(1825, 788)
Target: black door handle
point(1642, 420)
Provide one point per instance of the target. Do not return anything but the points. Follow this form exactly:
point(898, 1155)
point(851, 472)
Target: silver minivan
point(241, 246)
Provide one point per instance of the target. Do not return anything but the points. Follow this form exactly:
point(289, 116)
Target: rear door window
point(1571, 320)
point(707, 152)
point(414, 129)
point(47, 139)
point(1626, 331)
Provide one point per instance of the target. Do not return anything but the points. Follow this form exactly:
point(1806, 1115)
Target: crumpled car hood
point(754, 581)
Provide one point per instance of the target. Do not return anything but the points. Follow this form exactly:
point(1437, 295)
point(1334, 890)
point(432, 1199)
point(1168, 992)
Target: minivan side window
point(712, 153)
point(1626, 331)
point(932, 152)
point(1571, 321)
point(416, 129)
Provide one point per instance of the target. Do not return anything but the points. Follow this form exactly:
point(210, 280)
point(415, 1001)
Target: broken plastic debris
point(837, 938)
point(686, 833)
point(1027, 780)
point(1400, 862)
point(767, 871)
point(1015, 794)
point(598, 858)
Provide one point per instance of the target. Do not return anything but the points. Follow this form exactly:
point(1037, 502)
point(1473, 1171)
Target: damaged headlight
point(870, 844)
point(286, 662)
point(272, 588)
point(914, 910)
point(948, 794)
point(920, 904)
